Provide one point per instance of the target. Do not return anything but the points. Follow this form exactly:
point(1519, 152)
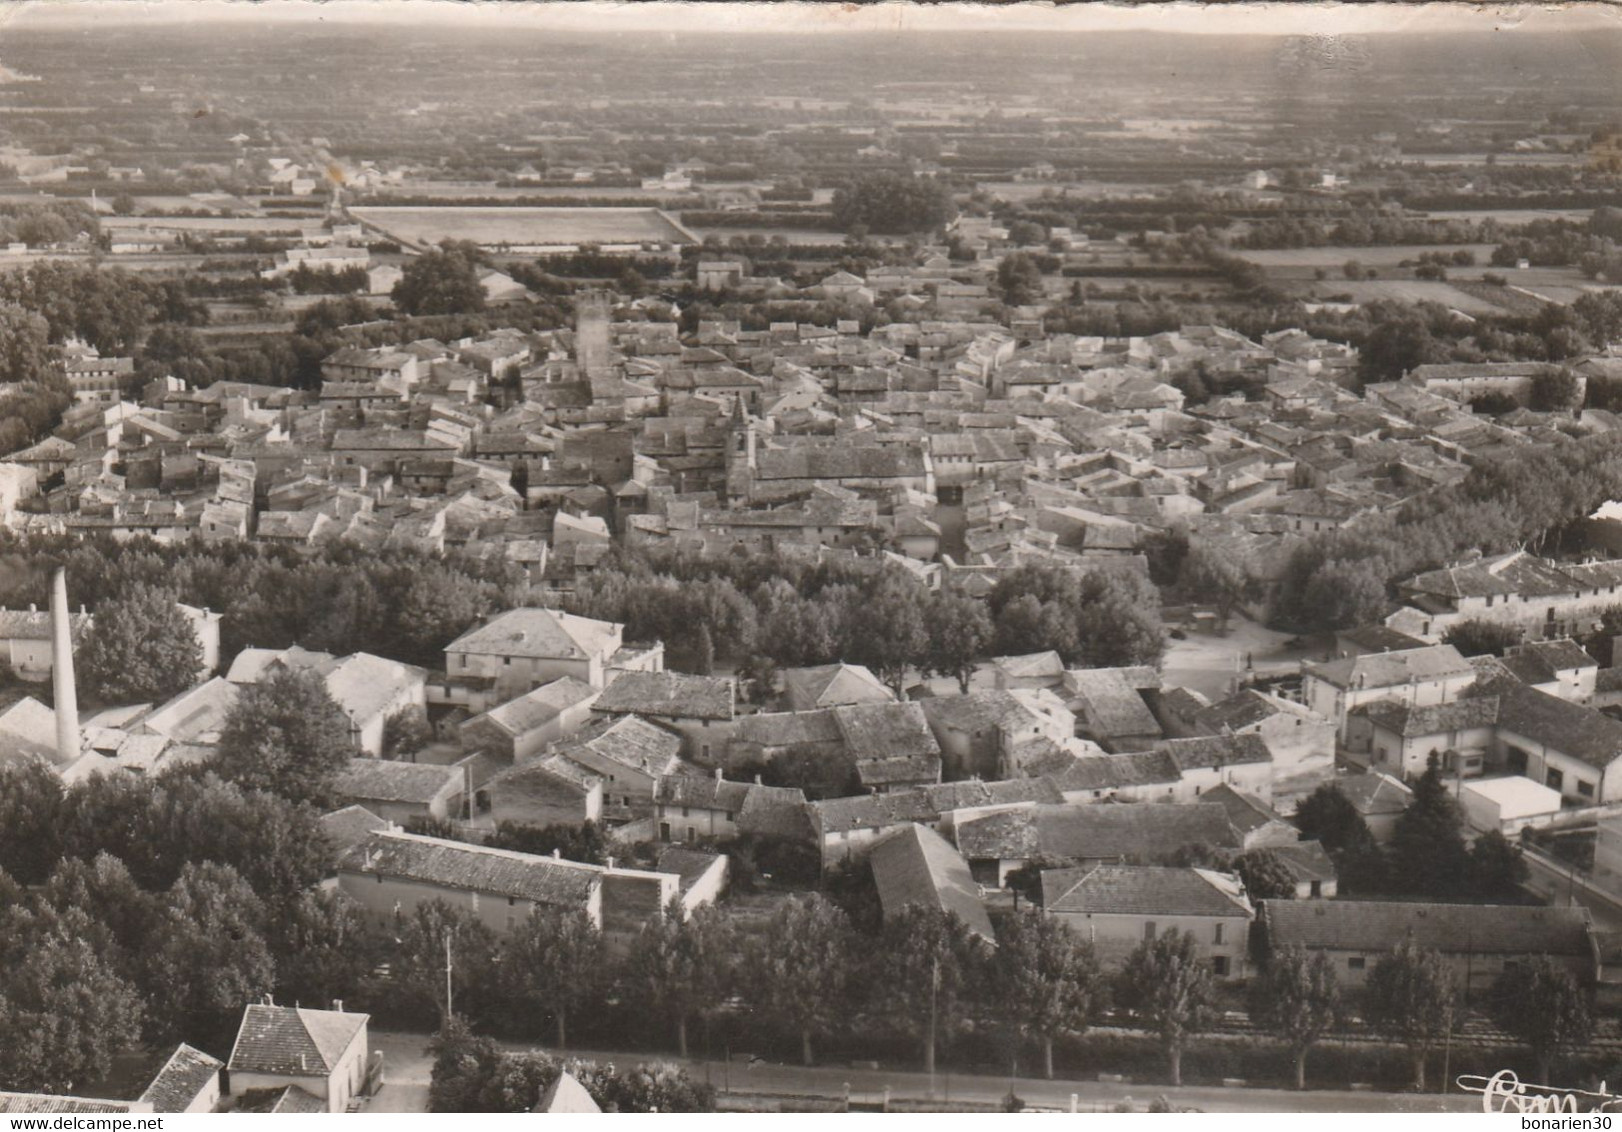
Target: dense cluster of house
point(1091, 782)
point(957, 449)
point(960, 445)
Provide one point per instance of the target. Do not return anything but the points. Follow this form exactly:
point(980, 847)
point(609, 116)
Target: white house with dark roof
point(845, 829)
point(400, 791)
point(1031, 670)
point(1111, 708)
point(1118, 907)
point(392, 872)
point(982, 734)
point(1542, 598)
point(1312, 868)
point(1568, 747)
point(322, 1052)
point(1000, 843)
point(832, 685)
point(1403, 736)
point(701, 709)
point(690, 807)
point(1479, 941)
point(1242, 762)
point(521, 729)
point(518, 651)
point(189, 1081)
point(630, 756)
point(1559, 667)
point(553, 790)
point(1436, 674)
point(1302, 742)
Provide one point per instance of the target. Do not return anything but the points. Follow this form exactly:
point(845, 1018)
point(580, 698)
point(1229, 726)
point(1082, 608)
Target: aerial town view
point(570, 558)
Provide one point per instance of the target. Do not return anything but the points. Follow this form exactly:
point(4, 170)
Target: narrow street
point(409, 1069)
point(1559, 887)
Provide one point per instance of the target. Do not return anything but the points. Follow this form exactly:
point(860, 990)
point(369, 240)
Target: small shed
point(1506, 804)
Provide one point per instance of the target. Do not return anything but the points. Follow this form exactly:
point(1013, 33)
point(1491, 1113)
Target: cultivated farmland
point(525, 227)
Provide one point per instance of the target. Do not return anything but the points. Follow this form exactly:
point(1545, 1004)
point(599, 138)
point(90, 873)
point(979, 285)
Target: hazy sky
point(1247, 18)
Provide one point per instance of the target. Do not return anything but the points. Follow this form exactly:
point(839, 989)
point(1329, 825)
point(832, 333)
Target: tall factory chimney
point(67, 699)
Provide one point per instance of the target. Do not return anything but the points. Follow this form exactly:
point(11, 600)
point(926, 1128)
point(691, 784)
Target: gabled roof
point(1306, 860)
point(472, 868)
point(1112, 698)
point(350, 825)
point(672, 695)
point(1245, 708)
point(1378, 925)
point(632, 742)
point(919, 866)
point(384, 780)
point(1096, 832)
point(1409, 721)
point(886, 731)
point(788, 728)
point(28, 729)
point(35, 625)
point(1030, 666)
point(183, 1077)
point(292, 1040)
point(1541, 662)
point(55, 1102)
point(1153, 891)
point(1217, 751)
point(831, 685)
point(552, 772)
point(566, 1094)
point(875, 811)
point(539, 633)
point(1388, 669)
point(989, 708)
point(1571, 729)
point(689, 864)
point(1247, 812)
point(1113, 772)
point(540, 707)
point(1374, 793)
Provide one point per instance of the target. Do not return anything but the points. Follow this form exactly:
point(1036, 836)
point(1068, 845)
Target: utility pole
point(448, 1011)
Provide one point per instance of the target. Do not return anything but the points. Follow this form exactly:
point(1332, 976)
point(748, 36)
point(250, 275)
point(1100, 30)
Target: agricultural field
point(1299, 262)
point(139, 227)
point(525, 227)
point(1408, 291)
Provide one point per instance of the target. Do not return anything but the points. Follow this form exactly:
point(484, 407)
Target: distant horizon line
point(825, 17)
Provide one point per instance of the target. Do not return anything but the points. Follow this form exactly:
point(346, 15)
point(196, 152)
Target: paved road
point(1554, 884)
point(409, 1067)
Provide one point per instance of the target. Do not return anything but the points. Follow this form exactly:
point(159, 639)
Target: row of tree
point(927, 978)
point(795, 613)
